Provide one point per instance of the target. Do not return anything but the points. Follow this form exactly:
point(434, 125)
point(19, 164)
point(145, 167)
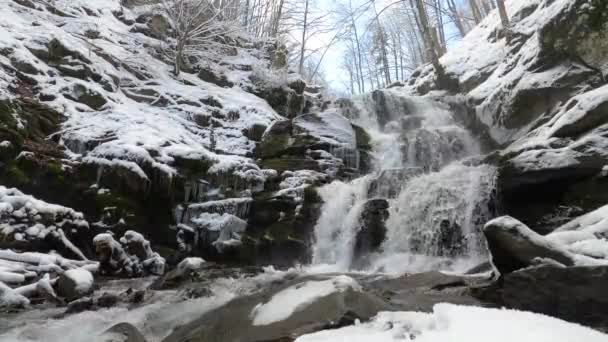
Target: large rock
point(574, 294)
point(75, 284)
point(514, 246)
point(284, 313)
point(123, 332)
point(373, 229)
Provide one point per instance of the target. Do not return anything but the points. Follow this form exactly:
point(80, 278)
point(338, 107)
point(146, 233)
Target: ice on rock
point(132, 256)
point(211, 229)
point(26, 219)
point(139, 247)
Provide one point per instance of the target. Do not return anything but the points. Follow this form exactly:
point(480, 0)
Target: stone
point(515, 246)
point(75, 284)
point(212, 76)
point(575, 294)
point(84, 95)
point(373, 228)
point(123, 332)
point(235, 320)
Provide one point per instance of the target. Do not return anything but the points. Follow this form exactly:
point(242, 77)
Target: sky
point(336, 76)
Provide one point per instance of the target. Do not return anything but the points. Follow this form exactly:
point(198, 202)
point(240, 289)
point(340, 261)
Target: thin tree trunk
point(428, 37)
point(358, 44)
point(475, 11)
point(383, 49)
point(503, 13)
point(455, 15)
point(303, 47)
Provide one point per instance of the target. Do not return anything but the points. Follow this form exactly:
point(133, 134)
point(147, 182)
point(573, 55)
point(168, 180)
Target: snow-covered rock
point(450, 322)
point(130, 256)
point(31, 224)
point(287, 302)
point(75, 284)
point(515, 246)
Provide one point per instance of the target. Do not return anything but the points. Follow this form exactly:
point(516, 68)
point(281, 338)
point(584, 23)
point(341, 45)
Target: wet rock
point(123, 332)
point(421, 291)
point(80, 305)
point(108, 300)
point(373, 227)
point(451, 239)
point(245, 319)
point(75, 284)
point(515, 246)
point(389, 182)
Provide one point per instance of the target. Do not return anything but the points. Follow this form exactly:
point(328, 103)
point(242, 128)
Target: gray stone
point(576, 294)
point(514, 246)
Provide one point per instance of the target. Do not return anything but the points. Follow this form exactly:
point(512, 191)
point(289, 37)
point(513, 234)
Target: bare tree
point(503, 13)
point(196, 25)
point(430, 43)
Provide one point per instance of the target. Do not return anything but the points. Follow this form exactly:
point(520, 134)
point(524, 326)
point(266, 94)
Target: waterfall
point(336, 229)
point(438, 204)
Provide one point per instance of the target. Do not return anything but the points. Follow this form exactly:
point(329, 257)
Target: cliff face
point(538, 93)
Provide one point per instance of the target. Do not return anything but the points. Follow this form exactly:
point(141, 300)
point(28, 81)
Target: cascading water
point(437, 203)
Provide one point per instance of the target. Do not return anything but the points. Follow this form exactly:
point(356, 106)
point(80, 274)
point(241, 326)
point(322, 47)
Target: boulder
point(284, 312)
point(84, 95)
point(575, 294)
point(373, 228)
point(122, 332)
point(74, 284)
point(211, 76)
point(514, 246)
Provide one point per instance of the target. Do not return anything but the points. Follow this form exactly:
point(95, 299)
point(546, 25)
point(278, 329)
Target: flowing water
point(438, 202)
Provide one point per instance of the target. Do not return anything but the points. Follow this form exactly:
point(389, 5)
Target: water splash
point(338, 225)
point(441, 214)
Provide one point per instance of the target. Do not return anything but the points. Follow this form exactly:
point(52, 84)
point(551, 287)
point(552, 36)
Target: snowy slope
point(136, 113)
point(551, 55)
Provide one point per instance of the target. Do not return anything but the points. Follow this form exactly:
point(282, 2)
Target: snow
point(329, 126)
point(580, 240)
point(454, 323)
point(586, 235)
point(286, 302)
point(125, 133)
point(191, 264)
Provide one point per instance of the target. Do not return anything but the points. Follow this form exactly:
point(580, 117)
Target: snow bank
point(283, 304)
point(453, 323)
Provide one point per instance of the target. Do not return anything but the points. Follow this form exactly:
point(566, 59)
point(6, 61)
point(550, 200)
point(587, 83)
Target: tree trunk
point(503, 14)
point(358, 44)
point(303, 47)
point(475, 11)
point(383, 49)
point(455, 15)
point(424, 23)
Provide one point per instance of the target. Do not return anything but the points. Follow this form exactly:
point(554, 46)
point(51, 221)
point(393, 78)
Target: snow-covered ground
point(453, 323)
